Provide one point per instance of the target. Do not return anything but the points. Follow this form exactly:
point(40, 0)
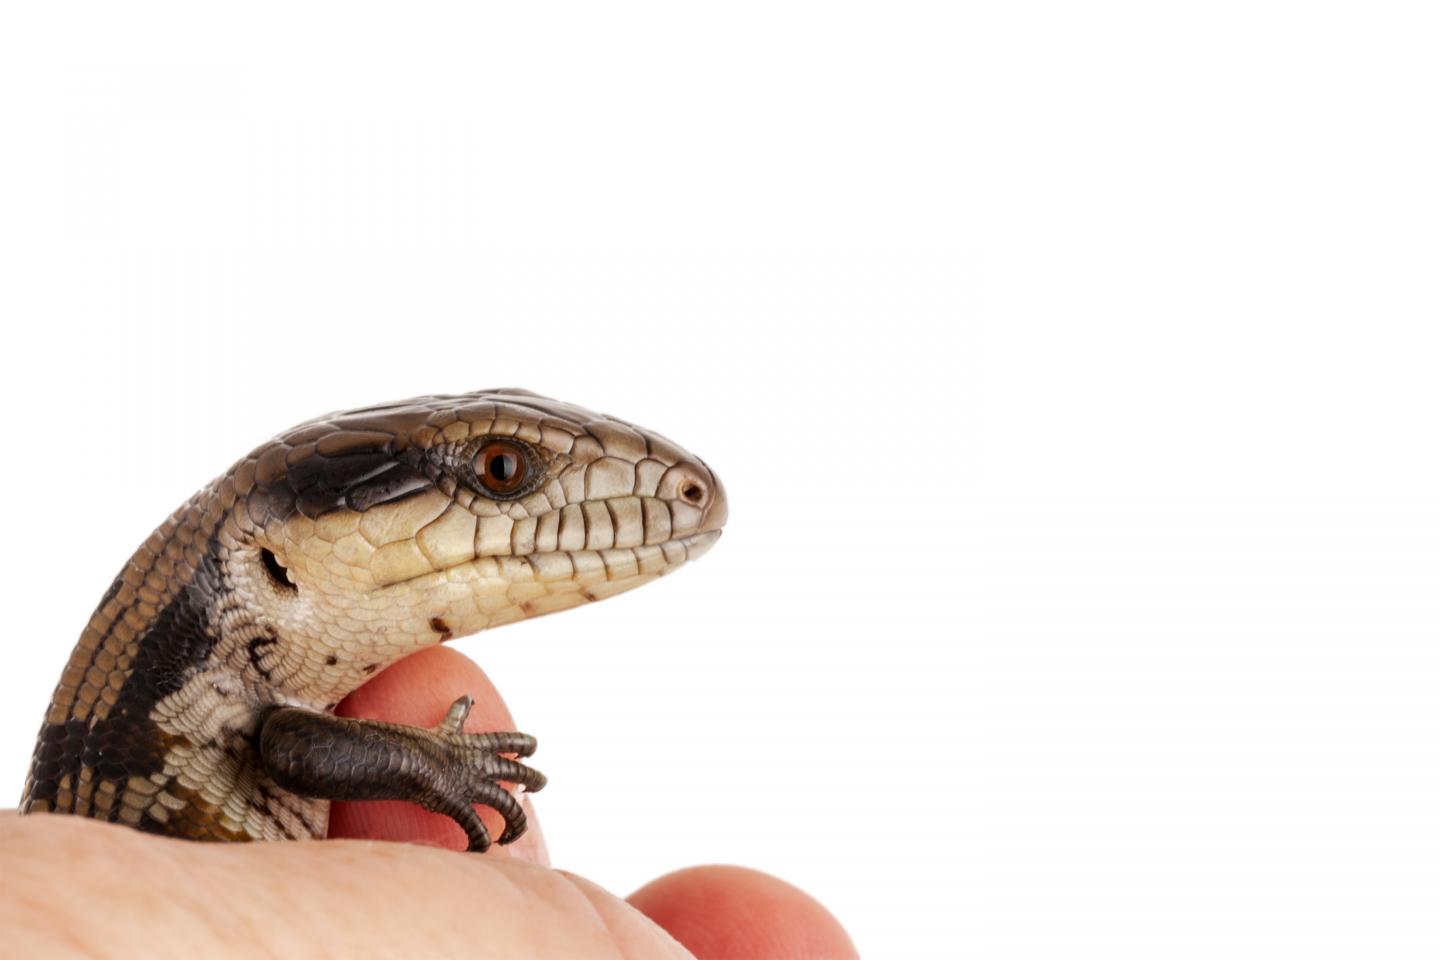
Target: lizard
point(199, 700)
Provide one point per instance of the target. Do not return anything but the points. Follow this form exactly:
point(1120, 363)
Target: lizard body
point(197, 702)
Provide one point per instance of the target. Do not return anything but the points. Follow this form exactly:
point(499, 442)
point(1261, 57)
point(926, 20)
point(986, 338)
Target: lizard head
point(362, 536)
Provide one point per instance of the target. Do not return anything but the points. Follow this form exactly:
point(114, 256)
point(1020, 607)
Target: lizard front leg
point(443, 769)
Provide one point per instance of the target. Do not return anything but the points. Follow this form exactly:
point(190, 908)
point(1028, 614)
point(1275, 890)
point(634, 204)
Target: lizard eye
point(502, 467)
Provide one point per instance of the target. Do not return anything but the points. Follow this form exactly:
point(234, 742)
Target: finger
point(419, 691)
point(720, 913)
point(71, 886)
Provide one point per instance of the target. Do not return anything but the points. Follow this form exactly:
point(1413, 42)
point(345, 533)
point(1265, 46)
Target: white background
point(1071, 367)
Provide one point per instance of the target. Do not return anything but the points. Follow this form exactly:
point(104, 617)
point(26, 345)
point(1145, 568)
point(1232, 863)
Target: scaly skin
point(198, 700)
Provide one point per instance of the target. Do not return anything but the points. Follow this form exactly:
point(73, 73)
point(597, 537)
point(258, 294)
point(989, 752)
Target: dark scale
point(126, 743)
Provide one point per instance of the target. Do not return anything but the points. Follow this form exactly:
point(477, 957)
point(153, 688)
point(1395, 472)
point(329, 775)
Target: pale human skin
point(71, 886)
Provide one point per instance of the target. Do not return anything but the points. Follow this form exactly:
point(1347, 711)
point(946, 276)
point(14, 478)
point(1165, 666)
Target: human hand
point(74, 886)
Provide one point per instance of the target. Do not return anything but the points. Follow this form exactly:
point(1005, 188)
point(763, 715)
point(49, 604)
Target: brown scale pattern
point(324, 555)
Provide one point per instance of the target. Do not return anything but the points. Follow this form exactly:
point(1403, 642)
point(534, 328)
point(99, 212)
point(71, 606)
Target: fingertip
point(419, 689)
point(728, 913)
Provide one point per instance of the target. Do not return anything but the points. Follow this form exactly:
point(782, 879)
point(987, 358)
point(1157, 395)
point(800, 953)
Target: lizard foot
point(443, 769)
point(478, 763)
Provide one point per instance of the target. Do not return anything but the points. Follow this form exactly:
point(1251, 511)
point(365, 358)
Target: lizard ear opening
point(278, 574)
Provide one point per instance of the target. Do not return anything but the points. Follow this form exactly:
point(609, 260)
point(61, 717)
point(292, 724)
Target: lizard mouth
point(593, 573)
point(487, 592)
point(698, 544)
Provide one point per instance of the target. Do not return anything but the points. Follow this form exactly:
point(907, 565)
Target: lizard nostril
point(694, 492)
point(696, 498)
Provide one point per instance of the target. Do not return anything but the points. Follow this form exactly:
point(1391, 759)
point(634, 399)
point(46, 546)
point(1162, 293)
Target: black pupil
point(503, 466)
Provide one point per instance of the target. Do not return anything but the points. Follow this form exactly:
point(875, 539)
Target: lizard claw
point(455, 717)
point(472, 769)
